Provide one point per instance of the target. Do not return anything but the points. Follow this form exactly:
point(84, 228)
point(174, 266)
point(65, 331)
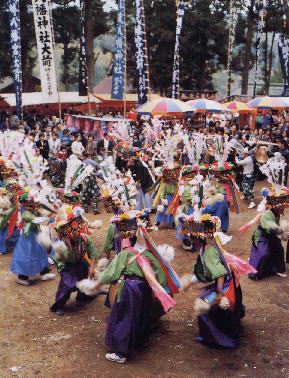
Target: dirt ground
point(42, 344)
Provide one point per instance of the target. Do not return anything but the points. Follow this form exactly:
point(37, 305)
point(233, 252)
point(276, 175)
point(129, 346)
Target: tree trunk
point(266, 88)
point(248, 47)
point(89, 44)
point(65, 62)
point(201, 82)
point(270, 61)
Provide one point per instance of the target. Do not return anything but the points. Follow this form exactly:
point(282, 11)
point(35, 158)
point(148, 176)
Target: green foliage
point(203, 48)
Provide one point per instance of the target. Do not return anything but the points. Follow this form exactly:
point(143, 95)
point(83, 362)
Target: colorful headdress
point(127, 224)
point(190, 171)
point(170, 174)
point(204, 169)
point(221, 170)
point(6, 171)
point(29, 202)
point(69, 220)
point(276, 197)
point(67, 196)
point(204, 226)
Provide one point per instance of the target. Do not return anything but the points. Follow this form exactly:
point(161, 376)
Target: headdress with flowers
point(69, 220)
point(127, 224)
point(197, 225)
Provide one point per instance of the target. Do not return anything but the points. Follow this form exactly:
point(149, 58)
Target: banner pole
point(15, 40)
point(53, 44)
point(125, 53)
point(147, 56)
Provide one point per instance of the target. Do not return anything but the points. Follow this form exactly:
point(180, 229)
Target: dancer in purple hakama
point(70, 250)
point(267, 252)
point(220, 307)
point(144, 293)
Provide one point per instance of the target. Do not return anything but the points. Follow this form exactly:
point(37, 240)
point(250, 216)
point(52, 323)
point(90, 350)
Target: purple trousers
point(71, 274)
point(267, 257)
point(222, 328)
point(129, 321)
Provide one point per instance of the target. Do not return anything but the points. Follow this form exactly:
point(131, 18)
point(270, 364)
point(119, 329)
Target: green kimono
point(268, 223)
point(108, 244)
point(209, 266)
point(168, 189)
point(119, 267)
point(71, 257)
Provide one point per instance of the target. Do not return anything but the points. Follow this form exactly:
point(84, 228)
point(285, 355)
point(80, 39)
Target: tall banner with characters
point(283, 49)
point(260, 6)
point(176, 64)
point(118, 73)
point(44, 38)
point(82, 55)
point(14, 19)
point(141, 53)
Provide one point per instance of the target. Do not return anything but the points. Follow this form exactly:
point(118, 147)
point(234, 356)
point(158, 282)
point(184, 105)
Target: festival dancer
point(164, 196)
point(216, 204)
point(267, 252)
point(75, 255)
point(29, 256)
point(142, 297)
point(190, 192)
point(220, 307)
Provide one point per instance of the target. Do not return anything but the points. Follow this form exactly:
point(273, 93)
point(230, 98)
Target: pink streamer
point(166, 300)
point(238, 265)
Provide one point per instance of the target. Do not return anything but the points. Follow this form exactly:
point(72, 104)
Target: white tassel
point(59, 247)
point(167, 252)
point(160, 208)
point(164, 202)
point(96, 224)
point(186, 281)
point(43, 238)
point(101, 266)
point(87, 286)
point(224, 303)
point(201, 307)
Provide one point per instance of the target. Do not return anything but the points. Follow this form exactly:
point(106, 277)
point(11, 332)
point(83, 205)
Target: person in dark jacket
point(144, 180)
point(43, 146)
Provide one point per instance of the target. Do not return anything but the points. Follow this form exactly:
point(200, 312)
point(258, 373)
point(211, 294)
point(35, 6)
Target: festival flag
point(234, 10)
point(283, 50)
point(141, 53)
point(44, 38)
point(176, 64)
point(82, 88)
point(13, 6)
point(261, 6)
point(119, 60)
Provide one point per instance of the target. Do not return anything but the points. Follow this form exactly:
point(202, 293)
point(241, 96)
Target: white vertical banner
point(44, 38)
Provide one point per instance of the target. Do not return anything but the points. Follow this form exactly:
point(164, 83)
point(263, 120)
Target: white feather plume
point(167, 252)
point(87, 286)
point(201, 307)
point(59, 247)
point(96, 224)
point(44, 239)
